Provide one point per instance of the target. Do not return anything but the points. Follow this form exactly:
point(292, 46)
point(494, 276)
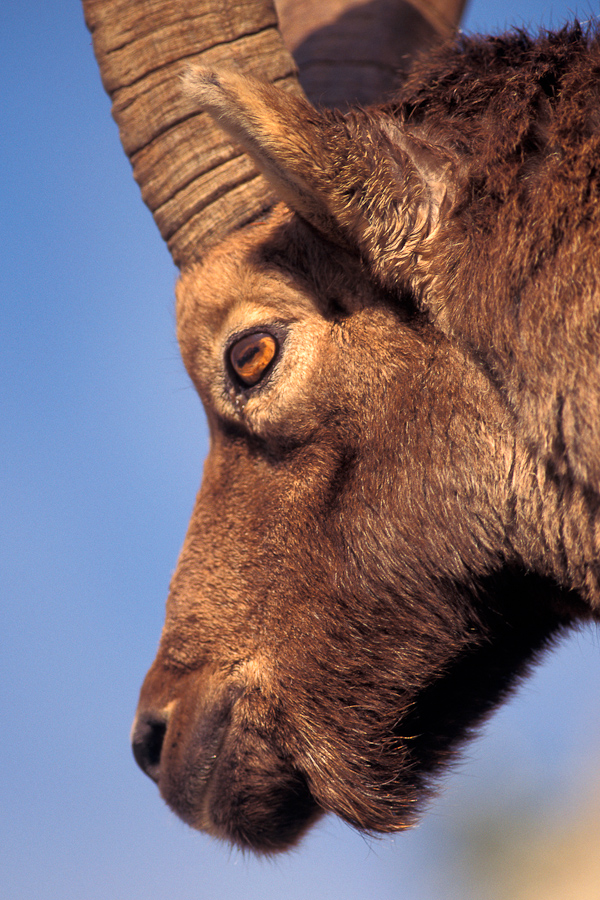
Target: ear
point(360, 179)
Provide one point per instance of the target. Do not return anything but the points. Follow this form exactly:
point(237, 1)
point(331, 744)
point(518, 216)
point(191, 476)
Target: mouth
point(229, 759)
point(185, 761)
point(222, 773)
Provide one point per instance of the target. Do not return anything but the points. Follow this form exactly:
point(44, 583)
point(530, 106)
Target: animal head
point(336, 622)
point(389, 527)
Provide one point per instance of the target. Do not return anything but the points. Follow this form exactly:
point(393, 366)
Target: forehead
point(238, 286)
point(279, 265)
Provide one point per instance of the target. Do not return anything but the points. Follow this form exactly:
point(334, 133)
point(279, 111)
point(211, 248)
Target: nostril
point(147, 742)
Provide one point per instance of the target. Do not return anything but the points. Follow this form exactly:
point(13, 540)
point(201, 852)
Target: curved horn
point(198, 185)
point(350, 51)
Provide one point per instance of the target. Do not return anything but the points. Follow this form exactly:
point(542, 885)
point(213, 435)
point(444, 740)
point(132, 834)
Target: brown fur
point(404, 512)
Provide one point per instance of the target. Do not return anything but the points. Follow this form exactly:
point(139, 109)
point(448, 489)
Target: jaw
point(257, 767)
point(257, 798)
point(222, 767)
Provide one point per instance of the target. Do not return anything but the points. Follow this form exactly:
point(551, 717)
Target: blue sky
point(102, 445)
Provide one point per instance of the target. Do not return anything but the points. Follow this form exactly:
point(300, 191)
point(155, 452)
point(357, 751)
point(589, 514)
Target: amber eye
point(251, 356)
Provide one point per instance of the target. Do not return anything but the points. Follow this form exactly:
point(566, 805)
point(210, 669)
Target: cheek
point(261, 554)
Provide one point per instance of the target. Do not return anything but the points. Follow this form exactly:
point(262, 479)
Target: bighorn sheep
point(400, 368)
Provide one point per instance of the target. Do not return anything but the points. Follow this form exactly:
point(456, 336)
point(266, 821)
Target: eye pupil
point(252, 356)
point(244, 361)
